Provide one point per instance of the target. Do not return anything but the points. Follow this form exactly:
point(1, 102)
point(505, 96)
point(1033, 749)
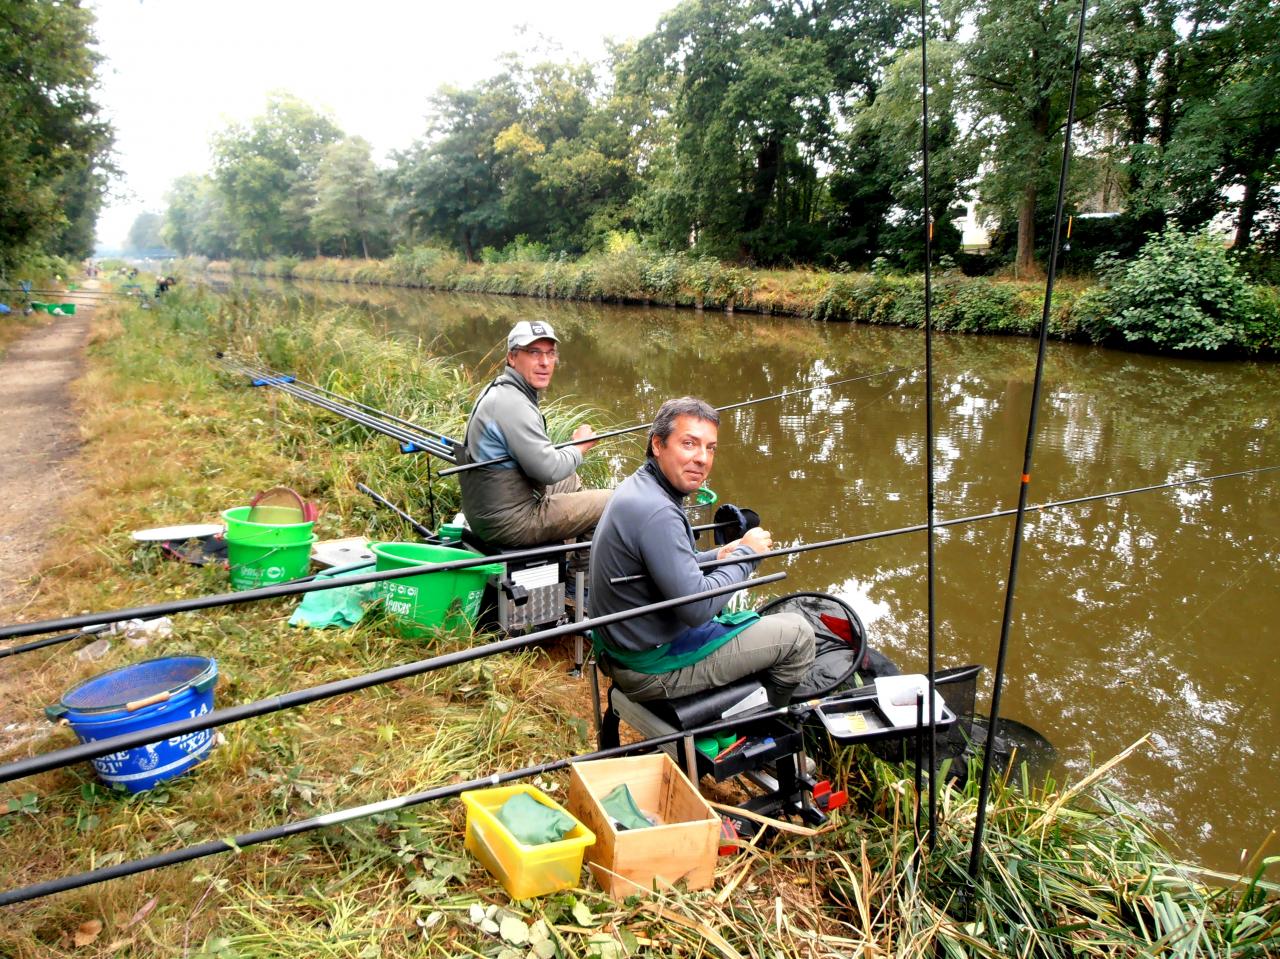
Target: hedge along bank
point(1185, 286)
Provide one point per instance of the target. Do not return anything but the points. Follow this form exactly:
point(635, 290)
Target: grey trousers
point(565, 510)
point(779, 645)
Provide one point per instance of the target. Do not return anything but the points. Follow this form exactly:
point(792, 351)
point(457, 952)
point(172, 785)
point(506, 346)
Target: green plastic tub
point(240, 530)
point(419, 605)
point(704, 496)
point(253, 564)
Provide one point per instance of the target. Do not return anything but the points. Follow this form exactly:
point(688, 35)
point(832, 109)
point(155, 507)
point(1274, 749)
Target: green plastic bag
point(533, 823)
point(342, 606)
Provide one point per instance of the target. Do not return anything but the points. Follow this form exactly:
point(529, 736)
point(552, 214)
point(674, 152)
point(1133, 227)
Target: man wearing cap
point(535, 496)
point(645, 536)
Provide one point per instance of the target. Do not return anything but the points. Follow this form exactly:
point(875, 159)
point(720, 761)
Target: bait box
point(680, 847)
point(864, 720)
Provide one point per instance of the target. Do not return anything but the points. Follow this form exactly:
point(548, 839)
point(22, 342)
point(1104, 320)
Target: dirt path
point(37, 446)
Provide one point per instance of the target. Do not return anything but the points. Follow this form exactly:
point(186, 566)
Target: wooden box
point(682, 847)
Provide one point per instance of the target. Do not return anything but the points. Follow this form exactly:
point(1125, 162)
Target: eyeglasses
point(550, 356)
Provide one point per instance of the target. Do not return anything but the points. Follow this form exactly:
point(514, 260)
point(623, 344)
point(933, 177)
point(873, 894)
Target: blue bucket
point(138, 697)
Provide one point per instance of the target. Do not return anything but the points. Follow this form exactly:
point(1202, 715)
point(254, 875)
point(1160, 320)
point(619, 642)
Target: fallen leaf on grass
point(142, 913)
point(87, 932)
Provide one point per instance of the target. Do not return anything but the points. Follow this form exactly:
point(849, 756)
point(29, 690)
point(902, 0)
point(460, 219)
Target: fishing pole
point(68, 292)
point(410, 442)
point(644, 426)
point(1015, 552)
point(418, 441)
point(53, 641)
point(994, 514)
point(928, 430)
point(294, 588)
point(302, 697)
point(350, 402)
point(418, 527)
point(271, 592)
point(297, 827)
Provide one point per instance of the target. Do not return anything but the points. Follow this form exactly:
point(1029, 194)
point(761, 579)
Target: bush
point(1181, 292)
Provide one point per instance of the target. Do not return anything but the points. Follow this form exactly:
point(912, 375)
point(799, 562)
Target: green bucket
point(418, 605)
point(240, 530)
point(254, 564)
point(704, 496)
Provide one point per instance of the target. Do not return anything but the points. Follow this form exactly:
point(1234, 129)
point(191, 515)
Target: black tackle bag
point(840, 648)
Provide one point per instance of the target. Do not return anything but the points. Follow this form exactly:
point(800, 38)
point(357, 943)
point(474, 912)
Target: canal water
point(1152, 615)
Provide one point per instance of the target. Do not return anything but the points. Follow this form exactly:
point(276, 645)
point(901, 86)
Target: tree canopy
point(771, 132)
point(55, 149)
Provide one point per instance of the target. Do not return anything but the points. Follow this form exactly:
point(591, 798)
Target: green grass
point(169, 438)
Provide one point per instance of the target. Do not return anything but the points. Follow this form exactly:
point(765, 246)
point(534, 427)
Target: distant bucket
point(420, 604)
point(240, 530)
point(138, 697)
point(253, 565)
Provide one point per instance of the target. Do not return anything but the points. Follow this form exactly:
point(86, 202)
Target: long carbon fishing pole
point(284, 830)
point(348, 401)
point(295, 588)
point(395, 431)
point(1015, 552)
point(68, 292)
point(928, 428)
point(959, 520)
point(383, 501)
point(51, 641)
point(286, 384)
point(644, 426)
point(269, 592)
point(301, 697)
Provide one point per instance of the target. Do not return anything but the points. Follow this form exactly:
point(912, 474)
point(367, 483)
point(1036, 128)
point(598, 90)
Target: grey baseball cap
point(527, 331)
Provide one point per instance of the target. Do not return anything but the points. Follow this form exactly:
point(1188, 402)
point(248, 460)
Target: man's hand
point(585, 432)
point(757, 540)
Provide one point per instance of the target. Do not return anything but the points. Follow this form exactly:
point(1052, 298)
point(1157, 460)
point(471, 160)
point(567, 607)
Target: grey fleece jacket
point(506, 421)
point(645, 530)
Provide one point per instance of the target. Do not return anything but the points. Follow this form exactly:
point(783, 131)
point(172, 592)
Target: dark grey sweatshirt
point(645, 530)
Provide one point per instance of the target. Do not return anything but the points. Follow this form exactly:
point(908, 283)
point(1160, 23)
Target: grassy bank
point(169, 439)
point(1083, 310)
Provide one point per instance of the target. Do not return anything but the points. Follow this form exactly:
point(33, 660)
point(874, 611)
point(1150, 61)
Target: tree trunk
point(1248, 211)
point(1025, 263)
point(467, 248)
point(364, 244)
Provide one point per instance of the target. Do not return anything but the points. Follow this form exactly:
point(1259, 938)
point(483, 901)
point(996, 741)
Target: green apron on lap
point(693, 645)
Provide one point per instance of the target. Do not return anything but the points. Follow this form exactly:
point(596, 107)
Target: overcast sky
point(177, 71)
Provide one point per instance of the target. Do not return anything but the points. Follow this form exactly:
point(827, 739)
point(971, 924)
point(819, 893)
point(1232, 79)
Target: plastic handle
point(56, 713)
point(161, 697)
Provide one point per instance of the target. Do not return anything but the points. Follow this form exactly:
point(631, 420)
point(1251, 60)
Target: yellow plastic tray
point(524, 871)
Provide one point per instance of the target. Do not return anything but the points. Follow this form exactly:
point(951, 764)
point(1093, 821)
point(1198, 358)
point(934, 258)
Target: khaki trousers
point(779, 645)
point(564, 511)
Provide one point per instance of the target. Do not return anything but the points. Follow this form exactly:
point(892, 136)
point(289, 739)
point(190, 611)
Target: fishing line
point(959, 520)
point(302, 697)
point(1015, 552)
point(284, 830)
point(644, 426)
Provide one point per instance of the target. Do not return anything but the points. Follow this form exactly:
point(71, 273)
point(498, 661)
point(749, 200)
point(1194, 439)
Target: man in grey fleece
point(644, 530)
point(535, 496)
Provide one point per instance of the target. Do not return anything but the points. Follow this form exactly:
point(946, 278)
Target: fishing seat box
point(682, 847)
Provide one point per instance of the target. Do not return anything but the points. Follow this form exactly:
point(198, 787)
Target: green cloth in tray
point(533, 823)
